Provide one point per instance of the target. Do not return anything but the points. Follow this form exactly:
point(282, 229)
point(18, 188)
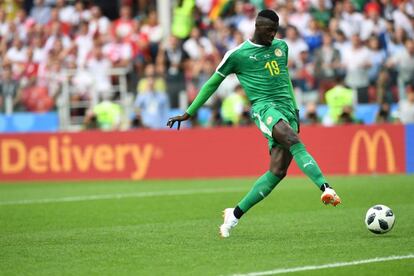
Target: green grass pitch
point(171, 228)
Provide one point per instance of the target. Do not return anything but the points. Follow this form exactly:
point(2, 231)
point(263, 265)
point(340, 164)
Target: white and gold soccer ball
point(379, 219)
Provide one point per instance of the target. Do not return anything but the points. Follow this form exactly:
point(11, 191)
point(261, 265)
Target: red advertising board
point(201, 153)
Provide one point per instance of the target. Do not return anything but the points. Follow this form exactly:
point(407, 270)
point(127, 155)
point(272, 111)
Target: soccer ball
point(379, 219)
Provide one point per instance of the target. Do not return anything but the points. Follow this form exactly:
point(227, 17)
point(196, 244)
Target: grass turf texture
point(177, 234)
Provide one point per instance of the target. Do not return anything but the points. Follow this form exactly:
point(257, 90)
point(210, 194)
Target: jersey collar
point(254, 44)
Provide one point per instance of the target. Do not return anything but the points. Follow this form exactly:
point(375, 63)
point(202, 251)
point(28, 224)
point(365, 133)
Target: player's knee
point(279, 173)
point(292, 138)
point(285, 135)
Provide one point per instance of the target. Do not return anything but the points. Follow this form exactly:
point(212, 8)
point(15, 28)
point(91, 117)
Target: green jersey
point(262, 72)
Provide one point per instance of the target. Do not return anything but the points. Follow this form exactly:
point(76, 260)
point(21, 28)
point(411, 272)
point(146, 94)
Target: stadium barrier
point(198, 153)
point(29, 122)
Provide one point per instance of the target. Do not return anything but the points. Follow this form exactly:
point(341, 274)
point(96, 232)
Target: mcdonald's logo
point(371, 146)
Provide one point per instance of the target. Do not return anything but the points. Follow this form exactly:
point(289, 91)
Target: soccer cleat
point(330, 197)
point(230, 221)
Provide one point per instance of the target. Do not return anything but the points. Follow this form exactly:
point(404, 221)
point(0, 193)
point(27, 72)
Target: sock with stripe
point(308, 165)
point(263, 186)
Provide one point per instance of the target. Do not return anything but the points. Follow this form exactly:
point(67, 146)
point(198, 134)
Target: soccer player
point(261, 67)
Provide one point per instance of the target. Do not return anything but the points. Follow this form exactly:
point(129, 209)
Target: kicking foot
point(330, 197)
point(230, 221)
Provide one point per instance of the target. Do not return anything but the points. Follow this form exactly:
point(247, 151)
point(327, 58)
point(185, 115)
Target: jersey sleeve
point(206, 91)
point(228, 64)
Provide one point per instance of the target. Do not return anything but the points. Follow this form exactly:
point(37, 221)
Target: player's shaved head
point(269, 14)
point(267, 23)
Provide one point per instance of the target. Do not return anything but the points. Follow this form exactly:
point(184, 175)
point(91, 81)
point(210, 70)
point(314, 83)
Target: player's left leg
point(286, 136)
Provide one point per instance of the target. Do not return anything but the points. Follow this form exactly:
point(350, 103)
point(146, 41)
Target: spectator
point(337, 98)
point(39, 52)
point(378, 57)
point(29, 69)
point(55, 79)
point(356, 61)
point(234, 39)
point(303, 78)
point(123, 26)
point(149, 76)
point(119, 52)
point(403, 62)
point(384, 114)
point(183, 21)
point(84, 44)
point(235, 108)
point(65, 11)
point(347, 116)
point(246, 23)
point(313, 36)
point(106, 116)
point(36, 99)
point(350, 20)
point(321, 14)
point(140, 48)
point(55, 20)
point(99, 24)
point(197, 45)
point(327, 63)
point(384, 87)
point(24, 25)
point(80, 13)
point(99, 68)
point(394, 39)
point(386, 28)
point(173, 59)
point(387, 9)
point(311, 115)
point(4, 25)
point(17, 53)
point(341, 43)
point(401, 17)
point(40, 12)
point(296, 46)
point(301, 17)
point(406, 107)
point(9, 92)
point(154, 32)
point(152, 106)
point(373, 25)
point(57, 35)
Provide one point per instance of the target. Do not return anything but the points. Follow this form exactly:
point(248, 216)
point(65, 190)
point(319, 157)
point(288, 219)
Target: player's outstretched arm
point(178, 119)
point(205, 92)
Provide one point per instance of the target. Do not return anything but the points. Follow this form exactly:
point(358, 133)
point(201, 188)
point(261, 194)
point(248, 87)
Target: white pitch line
point(118, 196)
point(317, 267)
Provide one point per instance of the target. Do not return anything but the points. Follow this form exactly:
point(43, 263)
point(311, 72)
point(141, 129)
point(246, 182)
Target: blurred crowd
point(341, 53)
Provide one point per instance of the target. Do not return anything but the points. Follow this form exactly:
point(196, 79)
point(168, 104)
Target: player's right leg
point(280, 159)
point(261, 188)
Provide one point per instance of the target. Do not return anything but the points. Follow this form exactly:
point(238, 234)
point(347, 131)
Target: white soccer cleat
point(329, 196)
point(230, 221)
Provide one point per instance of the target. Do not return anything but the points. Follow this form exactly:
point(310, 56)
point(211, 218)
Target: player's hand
point(178, 119)
point(298, 118)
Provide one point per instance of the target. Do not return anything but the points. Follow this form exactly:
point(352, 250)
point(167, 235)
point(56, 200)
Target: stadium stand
point(66, 57)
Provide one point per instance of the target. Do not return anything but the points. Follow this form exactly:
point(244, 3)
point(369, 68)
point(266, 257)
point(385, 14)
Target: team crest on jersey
point(269, 120)
point(278, 52)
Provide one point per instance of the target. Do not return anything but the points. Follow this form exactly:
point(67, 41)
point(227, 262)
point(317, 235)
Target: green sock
point(307, 164)
point(263, 186)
